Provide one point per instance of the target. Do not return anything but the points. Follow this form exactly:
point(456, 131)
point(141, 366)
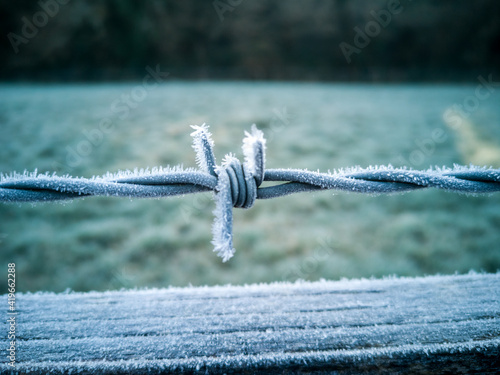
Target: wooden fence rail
point(436, 324)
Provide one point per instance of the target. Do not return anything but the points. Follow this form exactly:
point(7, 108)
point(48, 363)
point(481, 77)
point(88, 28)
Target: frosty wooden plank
point(396, 324)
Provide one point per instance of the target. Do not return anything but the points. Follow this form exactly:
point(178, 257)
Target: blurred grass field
point(110, 243)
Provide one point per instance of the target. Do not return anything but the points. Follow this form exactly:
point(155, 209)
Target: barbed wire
point(239, 185)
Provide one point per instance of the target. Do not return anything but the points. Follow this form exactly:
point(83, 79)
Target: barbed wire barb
point(238, 185)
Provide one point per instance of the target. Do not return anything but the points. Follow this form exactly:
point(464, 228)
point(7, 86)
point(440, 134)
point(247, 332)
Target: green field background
point(105, 243)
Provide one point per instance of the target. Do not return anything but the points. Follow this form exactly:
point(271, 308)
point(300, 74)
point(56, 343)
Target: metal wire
point(237, 185)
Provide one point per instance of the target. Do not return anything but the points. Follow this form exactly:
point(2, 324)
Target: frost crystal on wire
point(254, 148)
point(203, 146)
point(222, 228)
point(237, 185)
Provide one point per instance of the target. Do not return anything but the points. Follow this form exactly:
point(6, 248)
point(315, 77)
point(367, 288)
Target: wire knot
point(237, 184)
point(243, 185)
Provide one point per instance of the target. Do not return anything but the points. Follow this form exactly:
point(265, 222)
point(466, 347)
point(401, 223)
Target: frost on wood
point(414, 325)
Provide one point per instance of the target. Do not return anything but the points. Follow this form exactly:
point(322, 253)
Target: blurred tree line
point(250, 39)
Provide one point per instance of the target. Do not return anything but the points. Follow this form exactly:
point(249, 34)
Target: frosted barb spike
point(203, 146)
point(222, 228)
point(237, 185)
point(254, 150)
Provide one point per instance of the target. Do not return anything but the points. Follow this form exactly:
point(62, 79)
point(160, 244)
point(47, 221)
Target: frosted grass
point(103, 243)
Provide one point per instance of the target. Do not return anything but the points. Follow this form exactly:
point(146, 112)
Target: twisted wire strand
point(33, 187)
point(238, 185)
